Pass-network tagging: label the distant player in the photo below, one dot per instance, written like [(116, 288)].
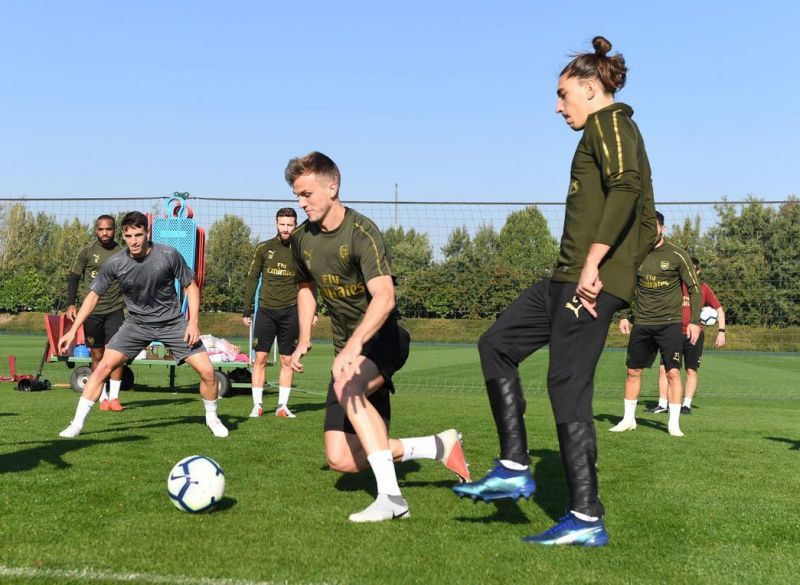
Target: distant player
[(657, 326), (146, 273), (273, 262), (609, 227), (691, 353), (341, 252), (108, 315)]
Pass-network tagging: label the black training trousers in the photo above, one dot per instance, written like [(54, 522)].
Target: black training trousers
[(549, 312)]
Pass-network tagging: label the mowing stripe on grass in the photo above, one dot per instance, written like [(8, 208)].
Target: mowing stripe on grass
[(88, 574)]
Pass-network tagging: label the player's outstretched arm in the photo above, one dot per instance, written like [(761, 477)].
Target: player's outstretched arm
[(89, 303), (306, 313), (192, 334)]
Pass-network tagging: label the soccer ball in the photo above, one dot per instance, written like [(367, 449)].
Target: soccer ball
[(196, 484), (708, 316)]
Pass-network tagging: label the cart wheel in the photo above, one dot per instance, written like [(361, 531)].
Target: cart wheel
[(241, 375), (223, 383), (127, 378), (79, 378)]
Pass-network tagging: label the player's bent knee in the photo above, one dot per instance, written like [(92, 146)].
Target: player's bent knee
[(634, 373)]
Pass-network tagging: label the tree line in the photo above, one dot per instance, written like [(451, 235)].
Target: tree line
[(750, 257)]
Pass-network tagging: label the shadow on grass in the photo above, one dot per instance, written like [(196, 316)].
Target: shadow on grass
[(53, 453), (232, 422), (160, 402), (365, 480), (642, 422), (551, 487), (793, 445), (225, 503), (505, 511), (9, 414)]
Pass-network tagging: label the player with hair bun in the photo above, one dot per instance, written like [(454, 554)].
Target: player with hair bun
[(609, 228)]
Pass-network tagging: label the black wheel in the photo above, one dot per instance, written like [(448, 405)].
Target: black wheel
[(127, 378), (240, 375), (223, 383), (79, 377)]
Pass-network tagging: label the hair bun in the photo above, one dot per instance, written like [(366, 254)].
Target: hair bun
[(601, 46)]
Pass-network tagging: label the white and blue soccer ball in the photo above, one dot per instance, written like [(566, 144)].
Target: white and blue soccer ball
[(708, 315), (196, 484)]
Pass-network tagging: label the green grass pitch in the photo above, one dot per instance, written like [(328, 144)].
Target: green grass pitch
[(718, 506)]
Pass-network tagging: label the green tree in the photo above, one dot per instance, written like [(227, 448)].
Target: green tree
[(411, 255), (229, 251), (527, 249), (687, 236), (782, 250), (737, 266)]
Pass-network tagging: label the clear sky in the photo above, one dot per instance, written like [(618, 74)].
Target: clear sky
[(452, 100)]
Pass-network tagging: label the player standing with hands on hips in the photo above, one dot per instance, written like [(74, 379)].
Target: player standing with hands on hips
[(609, 228)]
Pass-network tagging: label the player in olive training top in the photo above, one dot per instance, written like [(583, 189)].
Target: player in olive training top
[(277, 310), (341, 253), (108, 315), (658, 324), (608, 229), (692, 353)]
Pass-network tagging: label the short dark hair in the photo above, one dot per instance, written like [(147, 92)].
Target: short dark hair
[(105, 217), (660, 218), (286, 212), (314, 163), (134, 219)]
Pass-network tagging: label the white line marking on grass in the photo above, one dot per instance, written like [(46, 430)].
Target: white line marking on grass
[(88, 574)]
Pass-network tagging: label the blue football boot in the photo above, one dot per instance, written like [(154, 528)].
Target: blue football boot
[(499, 484), (572, 530)]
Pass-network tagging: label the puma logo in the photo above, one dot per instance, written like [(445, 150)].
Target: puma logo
[(575, 306), (677, 357)]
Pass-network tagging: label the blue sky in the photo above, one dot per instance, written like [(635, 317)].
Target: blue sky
[(451, 100)]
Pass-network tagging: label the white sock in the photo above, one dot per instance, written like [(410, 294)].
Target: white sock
[(662, 403), (513, 465), (283, 395), (674, 415), (258, 395), (383, 468), (584, 517), (630, 409), (419, 448), (103, 392), (113, 389), (82, 411), (687, 402), (211, 410)]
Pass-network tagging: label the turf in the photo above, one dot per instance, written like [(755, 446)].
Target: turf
[(717, 506)]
